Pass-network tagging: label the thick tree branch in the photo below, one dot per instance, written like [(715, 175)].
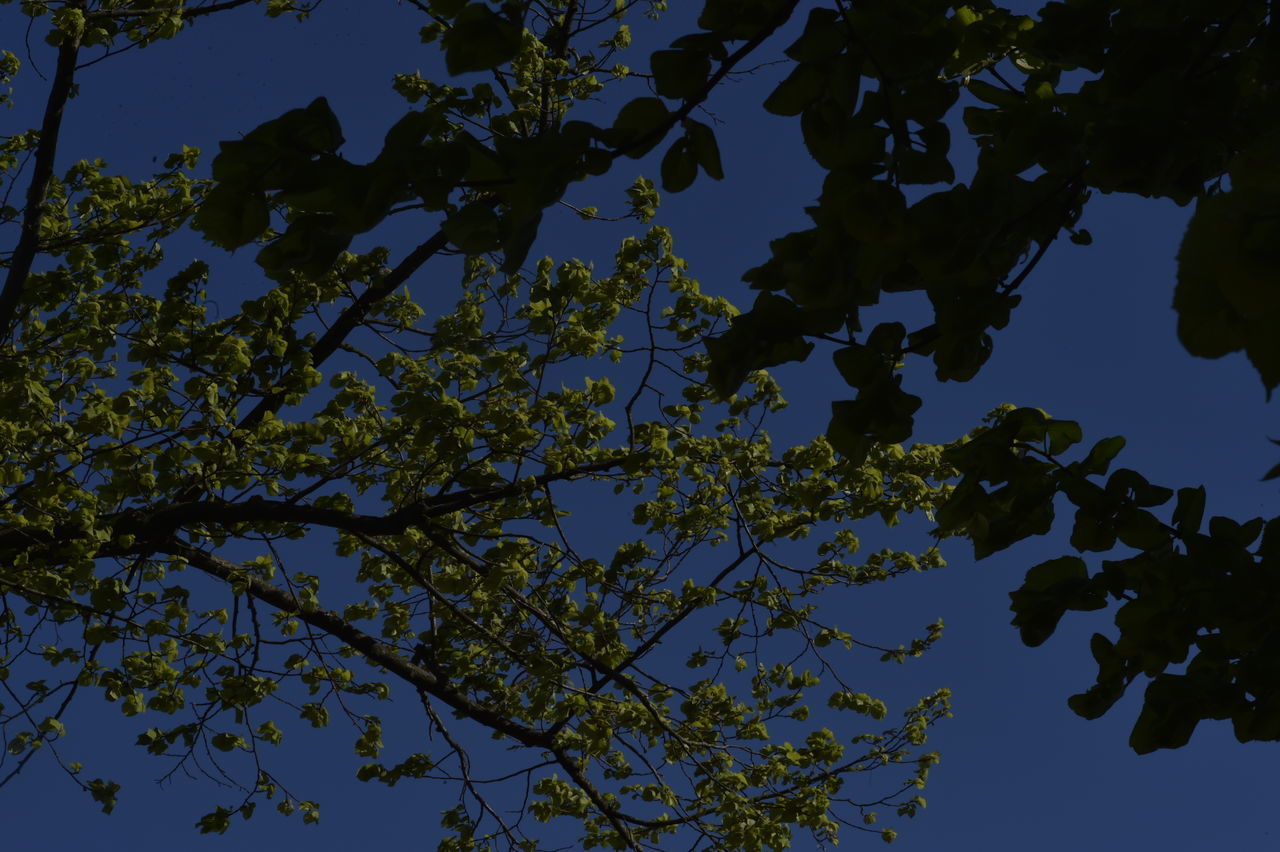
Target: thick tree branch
[(375, 651), (46, 151), (351, 317), (189, 12), (165, 520)]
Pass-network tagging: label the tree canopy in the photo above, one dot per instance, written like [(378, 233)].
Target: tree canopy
[(230, 522)]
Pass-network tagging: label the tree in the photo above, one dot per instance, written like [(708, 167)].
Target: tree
[(443, 459), (232, 525), (1165, 100)]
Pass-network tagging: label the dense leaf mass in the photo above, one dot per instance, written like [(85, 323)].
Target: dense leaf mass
[(521, 513), (170, 476)]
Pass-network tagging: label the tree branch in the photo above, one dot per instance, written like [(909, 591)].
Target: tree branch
[(193, 12), (351, 317), (164, 521), (375, 651), (691, 103), (28, 243)]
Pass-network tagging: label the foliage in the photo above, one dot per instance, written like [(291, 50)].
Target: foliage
[(444, 457), (231, 525), (1172, 100)]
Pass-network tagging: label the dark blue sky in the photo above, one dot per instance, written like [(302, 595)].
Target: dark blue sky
[(1094, 340)]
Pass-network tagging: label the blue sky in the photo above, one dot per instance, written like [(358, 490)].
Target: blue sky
[(1094, 340)]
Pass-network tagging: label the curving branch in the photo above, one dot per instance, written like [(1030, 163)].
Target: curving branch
[(374, 650)]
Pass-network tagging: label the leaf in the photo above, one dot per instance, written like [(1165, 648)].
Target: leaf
[(1049, 590), (803, 86), (277, 154), (480, 39), (858, 365), (994, 95), (679, 166), (881, 413), (474, 228), (1100, 457), (1141, 530), (1061, 434), (309, 246), (1054, 572), (1132, 486), (1094, 702), (1188, 512), (1227, 296), (679, 74), (634, 130), (708, 43), (1092, 532), (231, 216), (737, 20), (1169, 715), (104, 793), (823, 38), (702, 141), (518, 234), (771, 333), (269, 153)]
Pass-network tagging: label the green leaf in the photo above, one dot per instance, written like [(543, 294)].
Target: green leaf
[(1094, 702), (269, 153), (881, 413), (231, 216), (1047, 575), (1226, 297), (679, 74), (104, 793), (480, 39), (1091, 531), (994, 95), (823, 38), (1049, 590), (771, 333), (679, 166), (1142, 530), (708, 43), (1100, 457), (635, 129), (1188, 513), (1169, 715), (803, 86), (1061, 434), (474, 228), (702, 141), (858, 365), (308, 246)]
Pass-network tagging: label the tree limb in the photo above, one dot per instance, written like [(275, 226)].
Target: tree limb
[(351, 317), (28, 243), (375, 651), (191, 12)]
